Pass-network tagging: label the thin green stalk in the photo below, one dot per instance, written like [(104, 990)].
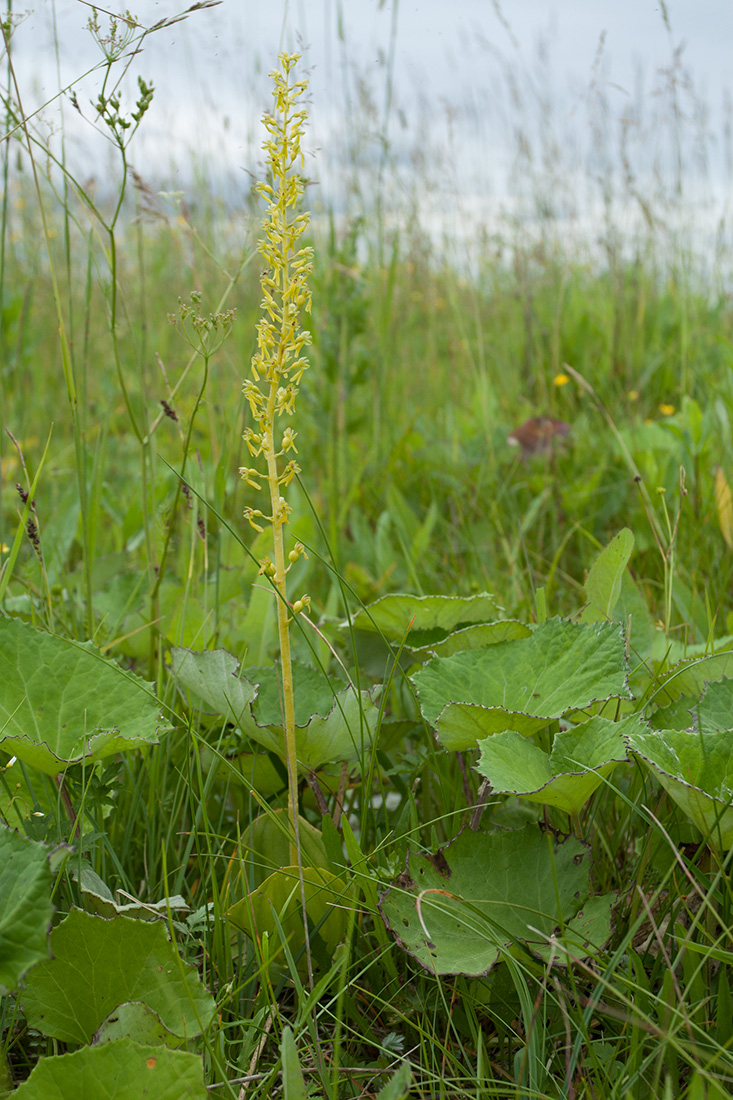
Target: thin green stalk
[(3, 236)]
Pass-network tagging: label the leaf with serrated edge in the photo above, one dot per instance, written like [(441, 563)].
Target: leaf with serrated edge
[(99, 964), (25, 906), (98, 899), (690, 677), (485, 892), (215, 678), (121, 1070), (134, 1020), (696, 770), (331, 727), (62, 702), (522, 684), (566, 777), (480, 635), (398, 1087), (715, 710), (392, 615)]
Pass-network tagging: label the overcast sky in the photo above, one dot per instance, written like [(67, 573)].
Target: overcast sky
[(472, 81)]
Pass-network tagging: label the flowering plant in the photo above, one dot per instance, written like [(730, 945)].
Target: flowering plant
[(278, 366)]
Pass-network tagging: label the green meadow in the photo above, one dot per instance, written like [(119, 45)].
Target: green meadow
[(413, 778)]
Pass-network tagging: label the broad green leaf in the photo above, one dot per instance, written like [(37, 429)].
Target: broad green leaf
[(603, 583), (342, 729), (632, 607), (61, 702), (428, 618), (266, 845), (314, 694), (709, 714), (478, 636), (333, 722), (293, 1079), (522, 684), (259, 772), (98, 899), (461, 725), (684, 651), (345, 733), (696, 770), (680, 715), (567, 776), (134, 1020), (25, 906), (715, 710), (100, 964), (327, 902), (122, 1070), (460, 910), (693, 612), (632, 611), (30, 801), (589, 930), (215, 679), (690, 677)]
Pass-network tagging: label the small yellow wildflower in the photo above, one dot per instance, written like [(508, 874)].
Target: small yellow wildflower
[(561, 380), (666, 410), (633, 395)]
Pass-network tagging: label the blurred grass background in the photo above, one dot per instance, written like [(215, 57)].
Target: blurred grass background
[(437, 329), (419, 372)]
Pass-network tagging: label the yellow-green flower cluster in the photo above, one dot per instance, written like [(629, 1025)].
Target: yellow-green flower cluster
[(277, 368), (279, 363)]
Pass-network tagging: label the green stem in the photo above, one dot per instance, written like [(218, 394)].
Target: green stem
[(283, 621), (3, 241), (69, 806)]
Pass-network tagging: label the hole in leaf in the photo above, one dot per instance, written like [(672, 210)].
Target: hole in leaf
[(440, 863)]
